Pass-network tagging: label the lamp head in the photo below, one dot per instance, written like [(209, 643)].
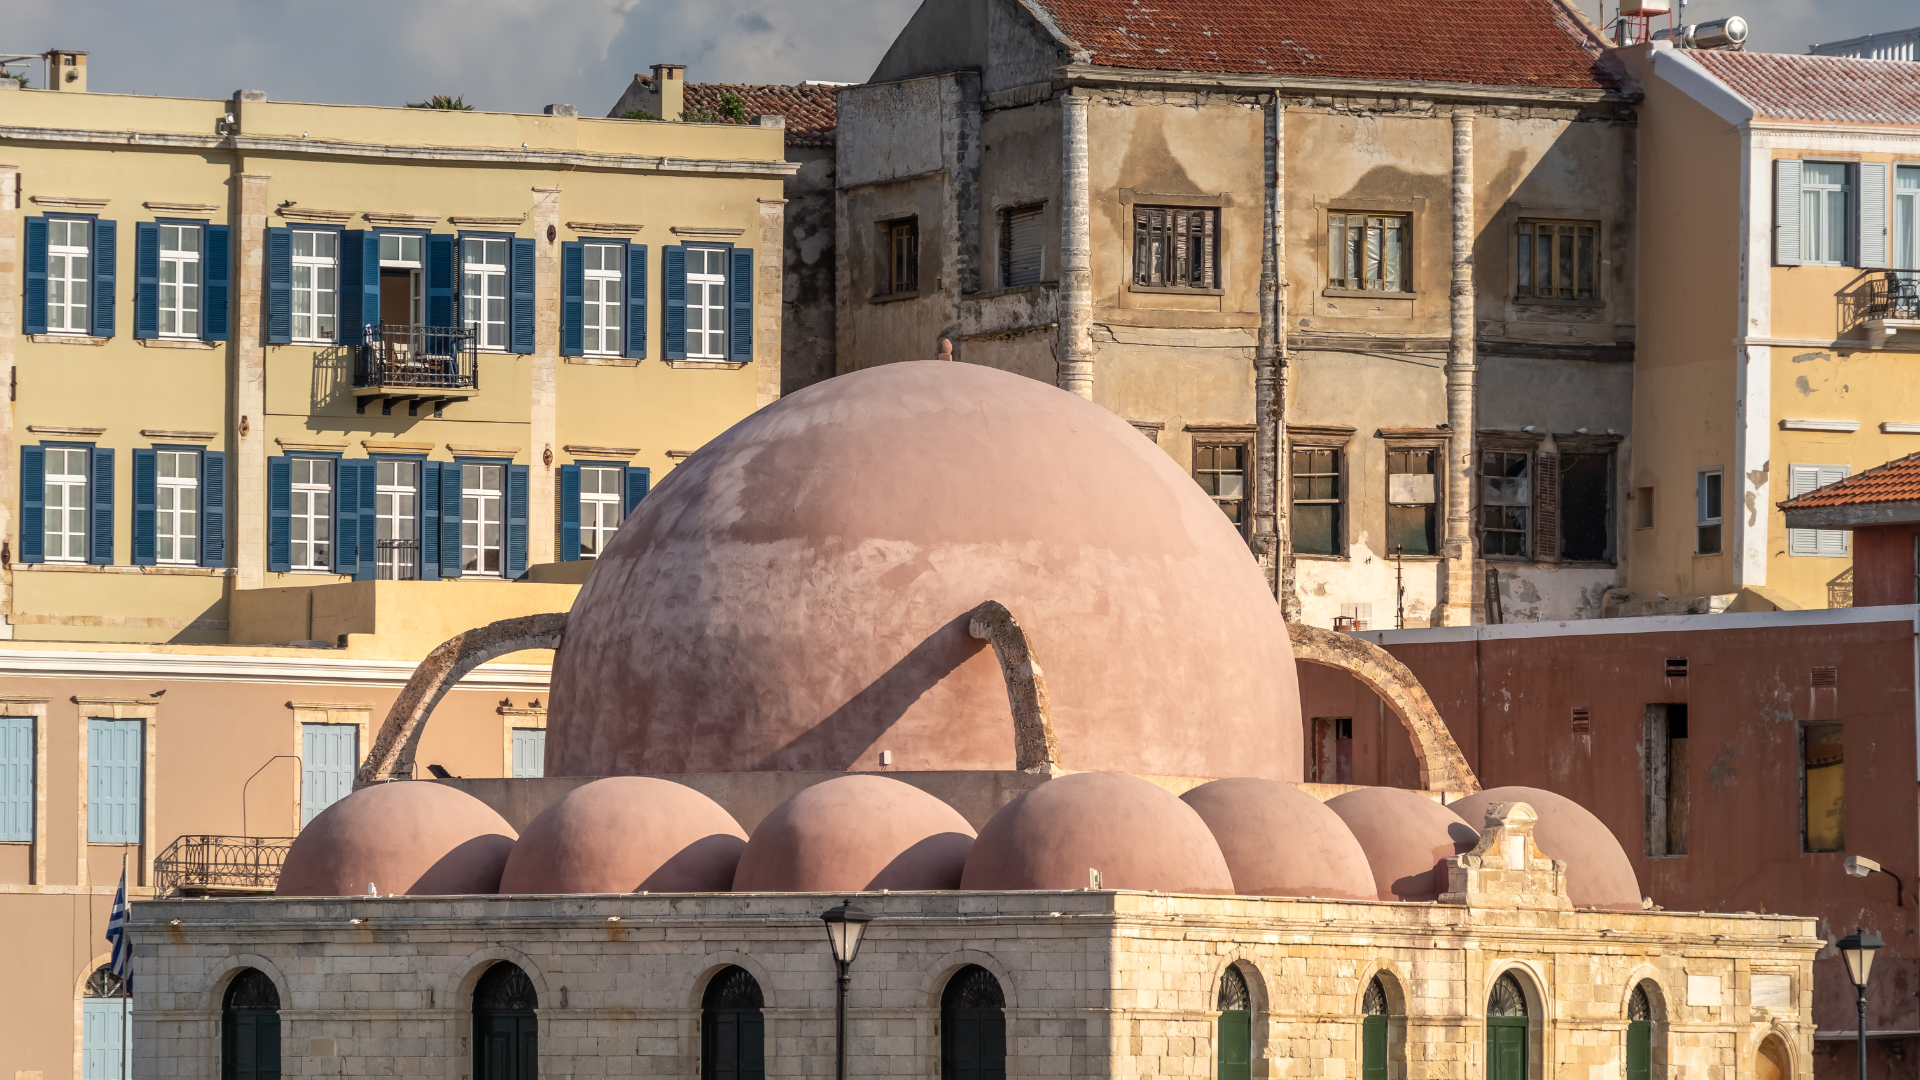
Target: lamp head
[(1857, 950), (846, 925), (1860, 866)]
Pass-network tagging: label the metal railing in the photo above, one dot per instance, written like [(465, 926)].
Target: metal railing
[(411, 357), (1883, 294), (220, 865)]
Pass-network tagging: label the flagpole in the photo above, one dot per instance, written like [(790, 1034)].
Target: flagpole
[(122, 966)]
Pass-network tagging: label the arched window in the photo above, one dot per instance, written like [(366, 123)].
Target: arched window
[(250, 1028), (506, 1039), (1236, 1026), (733, 1044), (973, 1026), (104, 1020), (1373, 1032), (1507, 1030)]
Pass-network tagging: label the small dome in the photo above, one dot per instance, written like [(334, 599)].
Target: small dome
[(409, 836), (1134, 832), (1406, 836), (627, 834), (1281, 841), (854, 834), (1599, 874)]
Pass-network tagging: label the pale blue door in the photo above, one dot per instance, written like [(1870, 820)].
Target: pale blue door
[(16, 779), (116, 780), (329, 753), (103, 1028), (529, 751)]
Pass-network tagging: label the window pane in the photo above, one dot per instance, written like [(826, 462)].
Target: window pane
[(1823, 764), (1313, 529)]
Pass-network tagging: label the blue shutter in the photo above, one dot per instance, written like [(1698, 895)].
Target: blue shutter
[(146, 464), (279, 514), (213, 508), (572, 297), (279, 286), (637, 482), (328, 758), (369, 517), (216, 279), (449, 519), (359, 284), (740, 286), (442, 281), (33, 504), (520, 292), (673, 264), (146, 279), (346, 517), (516, 553), (429, 504), (35, 316), (106, 261), (569, 513), (16, 779), (637, 302), (114, 773), (100, 524)]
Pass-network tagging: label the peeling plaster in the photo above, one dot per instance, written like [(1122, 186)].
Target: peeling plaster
[(1806, 356), (1801, 385)]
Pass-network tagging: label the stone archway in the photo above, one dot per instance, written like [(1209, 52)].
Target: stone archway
[(1442, 766)]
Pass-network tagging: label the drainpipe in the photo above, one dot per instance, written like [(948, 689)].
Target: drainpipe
[(1075, 347), (1460, 379)]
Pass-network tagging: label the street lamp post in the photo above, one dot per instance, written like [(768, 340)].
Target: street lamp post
[(1857, 949), (846, 924)]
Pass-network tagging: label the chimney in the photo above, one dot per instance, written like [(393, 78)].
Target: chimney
[(669, 90), (66, 70)]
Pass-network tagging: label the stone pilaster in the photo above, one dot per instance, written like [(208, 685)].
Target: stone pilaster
[(249, 357), (543, 411)]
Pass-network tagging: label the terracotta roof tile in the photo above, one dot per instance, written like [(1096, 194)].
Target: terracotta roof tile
[(1491, 42), (1834, 89), (1896, 481), (810, 108)]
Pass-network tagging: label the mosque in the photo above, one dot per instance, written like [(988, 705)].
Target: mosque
[(961, 655)]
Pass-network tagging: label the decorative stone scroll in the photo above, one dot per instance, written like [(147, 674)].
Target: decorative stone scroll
[(1506, 869)]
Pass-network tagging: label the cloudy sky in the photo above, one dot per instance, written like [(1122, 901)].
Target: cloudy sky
[(517, 55)]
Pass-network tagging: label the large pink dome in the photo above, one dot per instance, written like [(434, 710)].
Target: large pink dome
[(408, 836), (627, 834), (1136, 833), (1599, 874), (854, 834), (1281, 841), (795, 596), (1407, 837)]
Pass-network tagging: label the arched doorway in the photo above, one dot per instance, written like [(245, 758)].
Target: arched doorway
[(1507, 1030), (1373, 1032), (1772, 1063), (1236, 1026), (250, 1028), (105, 1003), (973, 1026), (1639, 1035), (506, 1038), (732, 1031)]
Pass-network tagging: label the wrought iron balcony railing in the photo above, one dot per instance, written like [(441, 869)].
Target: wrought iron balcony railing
[(403, 362), (220, 865), (1880, 295)]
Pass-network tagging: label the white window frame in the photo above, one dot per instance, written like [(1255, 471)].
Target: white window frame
[(1816, 201), (1906, 218), (603, 298), (318, 552), (485, 302), (1816, 543), (708, 285), (483, 498), (176, 508), (600, 507), (316, 280), (180, 295), (75, 508), (416, 288), (67, 278), (1702, 519), (396, 517)]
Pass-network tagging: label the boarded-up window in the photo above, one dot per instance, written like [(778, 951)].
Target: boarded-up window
[(1821, 543), (1668, 786), (1317, 501), (1822, 771), (1558, 260), (1412, 502), (1221, 470), (1367, 252), (1020, 250), (1506, 500), (1176, 248)]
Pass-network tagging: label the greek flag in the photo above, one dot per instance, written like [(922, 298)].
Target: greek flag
[(122, 965)]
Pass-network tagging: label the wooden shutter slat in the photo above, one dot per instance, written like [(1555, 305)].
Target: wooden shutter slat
[(1546, 507)]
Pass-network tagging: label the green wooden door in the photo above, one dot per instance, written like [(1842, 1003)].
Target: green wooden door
[(1506, 1048), (1373, 1048), (1639, 1050), (250, 1044), (1236, 1045)]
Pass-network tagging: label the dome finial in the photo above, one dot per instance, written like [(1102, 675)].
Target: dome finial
[(946, 349)]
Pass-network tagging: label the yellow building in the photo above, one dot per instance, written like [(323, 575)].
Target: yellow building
[(295, 393), (1779, 313)]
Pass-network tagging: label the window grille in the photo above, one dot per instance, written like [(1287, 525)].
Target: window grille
[(1234, 996), (1507, 998), (1375, 1002), (505, 988)]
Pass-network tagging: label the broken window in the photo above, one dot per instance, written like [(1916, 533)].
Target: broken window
[(1176, 247), (1586, 507), (1332, 761), (1367, 252), (1506, 501), (1412, 502), (1020, 250), (1221, 469), (1820, 543), (1706, 500), (1316, 501), (900, 272), (1668, 783), (1558, 260), (1822, 770)]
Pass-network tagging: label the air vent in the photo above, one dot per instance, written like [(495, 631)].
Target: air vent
[(1676, 667), (1582, 723), (1825, 676)]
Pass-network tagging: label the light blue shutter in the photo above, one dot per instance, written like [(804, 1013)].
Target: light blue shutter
[(35, 315), (569, 514), (213, 508), (637, 301), (16, 779), (279, 514), (115, 766), (329, 755), (637, 482), (1873, 215), (145, 492), (1786, 211), (146, 279), (740, 329), (673, 266), (449, 519), (359, 284), (33, 504), (368, 517), (521, 294), (529, 751), (106, 260), (429, 521), (279, 286), (100, 522), (517, 480), (346, 517), (217, 282), (572, 298), (103, 1031)]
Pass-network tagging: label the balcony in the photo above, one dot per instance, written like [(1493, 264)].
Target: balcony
[(220, 865), (418, 365), (1884, 303)]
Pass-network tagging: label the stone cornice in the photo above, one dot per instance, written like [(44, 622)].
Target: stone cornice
[(1097, 75), (303, 667)]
